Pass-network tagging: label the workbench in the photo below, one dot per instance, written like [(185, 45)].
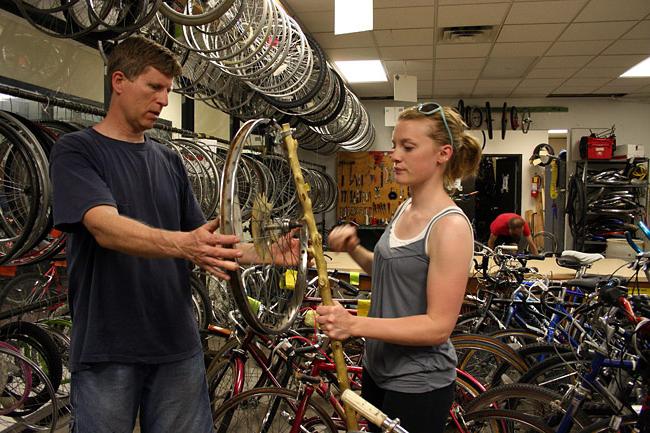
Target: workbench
[(343, 263)]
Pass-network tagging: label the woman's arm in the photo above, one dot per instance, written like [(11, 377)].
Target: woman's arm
[(451, 250)]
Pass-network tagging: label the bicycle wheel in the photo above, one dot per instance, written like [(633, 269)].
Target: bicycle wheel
[(267, 293), (482, 356), (488, 119), (629, 424), (503, 421), (22, 378), (529, 399), (271, 410), (36, 344)]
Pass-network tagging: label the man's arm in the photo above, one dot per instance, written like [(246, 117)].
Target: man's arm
[(531, 245), (492, 241), (201, 246)]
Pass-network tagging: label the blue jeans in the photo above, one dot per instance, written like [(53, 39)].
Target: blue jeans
[(171, 397)]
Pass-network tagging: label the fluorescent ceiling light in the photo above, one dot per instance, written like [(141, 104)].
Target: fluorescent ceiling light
[(640, 70), (362, 71), (558, 131), (352, 16)]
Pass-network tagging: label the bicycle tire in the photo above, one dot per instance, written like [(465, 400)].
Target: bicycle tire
[(484, 356), (502, 421), (201, 303), (460, 109), (514, 118), (604, 426), (542, 373), (526, 120), (532, 354), (516, 338), (195, 20), (511, 396), (47, 419), (234, 414), (264, 303), (42, 347), (476, 117), (488, 120)]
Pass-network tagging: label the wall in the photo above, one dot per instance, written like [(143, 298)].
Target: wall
[(630, 118)]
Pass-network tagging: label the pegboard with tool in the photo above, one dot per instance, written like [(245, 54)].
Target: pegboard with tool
[(368, 193)]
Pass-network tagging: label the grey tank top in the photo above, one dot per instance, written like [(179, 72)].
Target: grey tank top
[(399, 289)]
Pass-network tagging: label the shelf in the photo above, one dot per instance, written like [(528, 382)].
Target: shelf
[(608, 161), (610, 185)]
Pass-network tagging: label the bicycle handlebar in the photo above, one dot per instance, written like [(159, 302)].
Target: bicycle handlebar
[(371, 413)]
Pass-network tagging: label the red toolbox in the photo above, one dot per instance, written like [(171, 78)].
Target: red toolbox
[(597, 148)]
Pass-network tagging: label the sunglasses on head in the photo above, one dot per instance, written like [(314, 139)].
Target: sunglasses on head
[(430, 108)]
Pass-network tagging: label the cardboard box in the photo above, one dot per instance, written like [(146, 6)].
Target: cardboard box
[(626, 151)]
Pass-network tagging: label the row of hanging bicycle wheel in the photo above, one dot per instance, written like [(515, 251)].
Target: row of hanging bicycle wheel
[(247, 58), (26, 233)]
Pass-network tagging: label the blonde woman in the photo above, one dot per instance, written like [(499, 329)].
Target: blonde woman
[(419, 272)]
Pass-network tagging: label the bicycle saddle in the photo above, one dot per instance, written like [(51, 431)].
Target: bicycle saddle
[(583, 258)]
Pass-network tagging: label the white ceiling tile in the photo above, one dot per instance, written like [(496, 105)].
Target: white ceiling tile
[(507, 67), (602, 72), (370, 53), (421, 75), (521, 49), (631, 46), (461, 50), (577, 48), (630, 81), (562, 61), (574, 89), (300, 6), (419, 65), (561, 11), (372, 89), (454, 64), (531, 91), (541, 82), (424, 87), (458, 74), (392, 38), (439, 92), (472, 15), (317, 22), (395, 66), (352, 40), (530, 32), (607, 10), (551, 72), (454, 84), (497, 84), (640, 31), (403, 18), (407, 52), (465, 2), (586, 82), (491, 93), (626, 61), (596, 31), (378, 4)]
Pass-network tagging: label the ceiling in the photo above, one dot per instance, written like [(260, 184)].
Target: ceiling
[(536, 48)]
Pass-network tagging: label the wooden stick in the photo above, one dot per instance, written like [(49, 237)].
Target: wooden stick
[(291, 146)]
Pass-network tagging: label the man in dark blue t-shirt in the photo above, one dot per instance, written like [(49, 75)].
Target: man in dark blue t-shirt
[(134, 226)]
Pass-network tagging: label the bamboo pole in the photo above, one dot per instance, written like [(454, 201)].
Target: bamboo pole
[(291, 146)]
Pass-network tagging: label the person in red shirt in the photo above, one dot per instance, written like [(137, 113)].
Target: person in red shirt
[(508, 228)]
